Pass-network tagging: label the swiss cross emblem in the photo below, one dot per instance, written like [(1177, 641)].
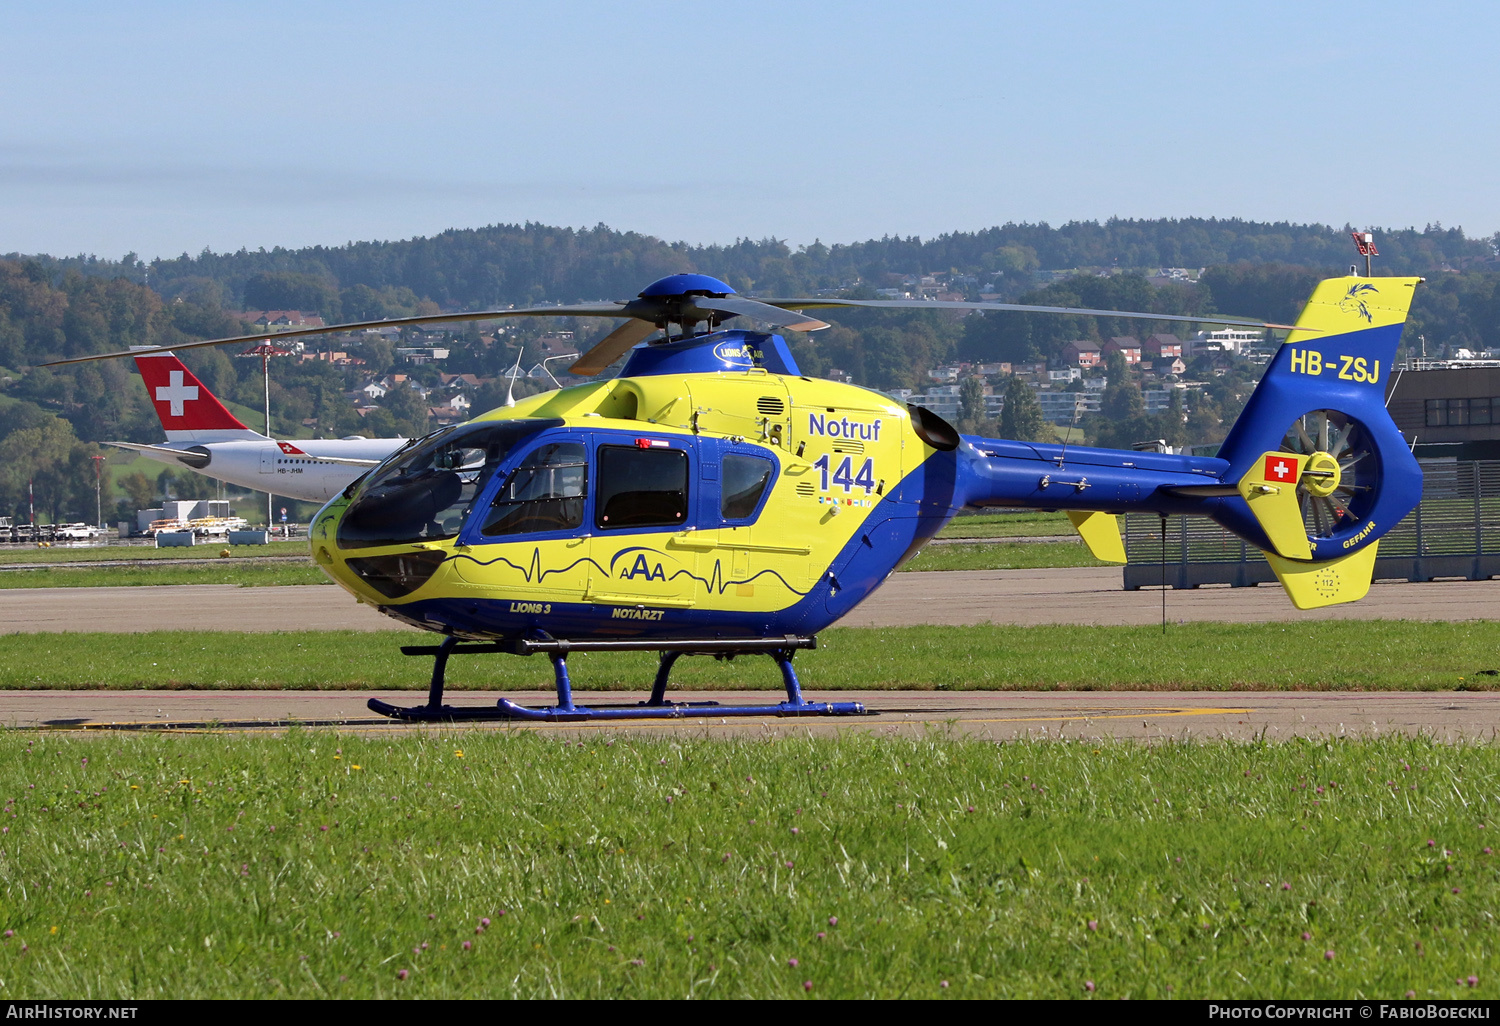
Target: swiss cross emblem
[(289, 448), (1281, 468), (175, 393)]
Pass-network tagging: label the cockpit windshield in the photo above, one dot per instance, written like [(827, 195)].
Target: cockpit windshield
[(424, 493)]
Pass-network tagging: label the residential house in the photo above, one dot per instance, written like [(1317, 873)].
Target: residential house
[(1081, 353), (422, 354), (1162, 347), (282, 320), (1126, 345), (460, 380)]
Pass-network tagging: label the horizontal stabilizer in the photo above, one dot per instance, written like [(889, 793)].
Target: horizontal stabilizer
[(197, 457), (1269, 487), (1314, 585), (1101, 533)]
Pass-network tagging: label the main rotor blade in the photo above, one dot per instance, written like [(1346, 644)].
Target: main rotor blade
[(793, 320), (577, 310), (947, 304), (611, 347)]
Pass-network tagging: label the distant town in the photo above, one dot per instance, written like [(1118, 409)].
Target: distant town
[(1101, 381)]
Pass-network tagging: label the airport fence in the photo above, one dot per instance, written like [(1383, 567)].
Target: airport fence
[(1453, 533)]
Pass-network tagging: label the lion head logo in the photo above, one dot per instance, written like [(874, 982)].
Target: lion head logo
[(1354, 303)]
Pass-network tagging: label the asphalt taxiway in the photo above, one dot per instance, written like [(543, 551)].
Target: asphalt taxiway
[(996, 715), (1018, 597), (1084, 595)]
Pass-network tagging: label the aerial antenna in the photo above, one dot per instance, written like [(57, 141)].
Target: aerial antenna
[(543, 366), (510, 392), (1063, 456)]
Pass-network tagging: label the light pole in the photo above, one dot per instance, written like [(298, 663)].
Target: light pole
[(265, 351), (98, 504)]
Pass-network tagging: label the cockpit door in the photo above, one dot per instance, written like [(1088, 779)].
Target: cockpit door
[(528, 535)]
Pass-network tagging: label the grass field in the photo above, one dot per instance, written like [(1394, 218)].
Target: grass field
[(1003, 556), (1324, 656), (246, 573), (1029, 524), (498, 864), (207, 550)]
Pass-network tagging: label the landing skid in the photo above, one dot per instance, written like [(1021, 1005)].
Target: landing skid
[(656, 707)]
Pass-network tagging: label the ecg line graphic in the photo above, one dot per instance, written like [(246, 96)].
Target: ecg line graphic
[(715, 582)]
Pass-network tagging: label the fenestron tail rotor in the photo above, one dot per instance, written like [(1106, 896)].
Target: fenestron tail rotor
[(1341, 476)]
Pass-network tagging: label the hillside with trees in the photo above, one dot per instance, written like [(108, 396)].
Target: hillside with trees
[(53, 307)]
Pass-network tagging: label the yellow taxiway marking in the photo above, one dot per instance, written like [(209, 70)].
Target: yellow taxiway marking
[(185, 727), (1117, 716)]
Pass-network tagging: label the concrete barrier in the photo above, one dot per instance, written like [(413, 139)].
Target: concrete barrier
[(249, 538), (167, 539)]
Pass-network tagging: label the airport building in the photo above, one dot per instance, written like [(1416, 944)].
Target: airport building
[(1449, 411)]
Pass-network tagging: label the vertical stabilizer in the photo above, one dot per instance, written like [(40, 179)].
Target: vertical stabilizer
[(1321, 469), (189, 412)]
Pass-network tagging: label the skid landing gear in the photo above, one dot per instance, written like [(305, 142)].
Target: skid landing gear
[(656, 707)]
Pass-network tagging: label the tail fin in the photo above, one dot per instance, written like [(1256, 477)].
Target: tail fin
[(1322, 470), (189, 412)]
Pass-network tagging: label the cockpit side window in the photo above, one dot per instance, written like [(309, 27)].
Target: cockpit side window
[(641, 488), (544, 493), (745, 481)]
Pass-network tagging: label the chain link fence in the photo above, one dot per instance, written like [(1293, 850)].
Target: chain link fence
[(1453, 533)]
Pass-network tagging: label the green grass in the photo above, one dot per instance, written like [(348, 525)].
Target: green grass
[(319, 865), (1004, 556), (1379, 655), (245, 573), (206, 550), (1007, 525)]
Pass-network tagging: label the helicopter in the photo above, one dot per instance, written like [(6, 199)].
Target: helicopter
[(712, 499)]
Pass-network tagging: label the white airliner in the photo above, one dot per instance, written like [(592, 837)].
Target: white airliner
[(205, 437)]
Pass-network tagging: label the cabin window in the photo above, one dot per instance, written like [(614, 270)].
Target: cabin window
[(640, 487), (544, 493), (745, 481)]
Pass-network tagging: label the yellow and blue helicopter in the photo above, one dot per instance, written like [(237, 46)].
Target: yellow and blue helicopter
[(713, 499)]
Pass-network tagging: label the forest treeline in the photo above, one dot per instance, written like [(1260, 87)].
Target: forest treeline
[(60, 307), (501, 265)]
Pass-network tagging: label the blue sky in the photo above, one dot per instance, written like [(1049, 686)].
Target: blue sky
[(161, 127)]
